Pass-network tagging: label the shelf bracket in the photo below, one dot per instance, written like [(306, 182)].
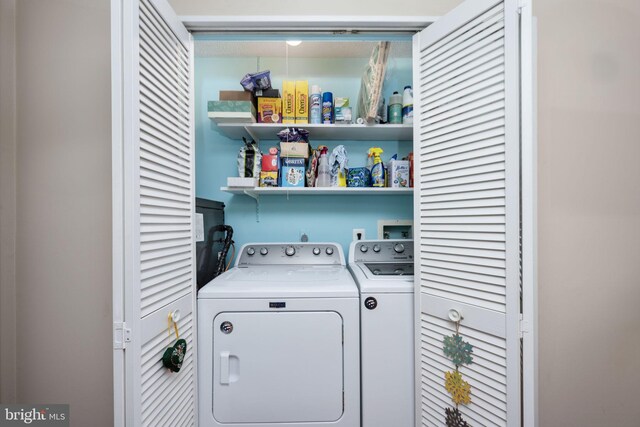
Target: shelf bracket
[(255, 197), (253, 136)]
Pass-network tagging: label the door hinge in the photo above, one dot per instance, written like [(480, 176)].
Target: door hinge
[(522, 4), (121, 335), (523, 326)]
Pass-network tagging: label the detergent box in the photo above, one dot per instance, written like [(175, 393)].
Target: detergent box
[(293, 172), (399, 173)]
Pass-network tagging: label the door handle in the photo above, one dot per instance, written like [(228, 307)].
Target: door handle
[(224, 367)]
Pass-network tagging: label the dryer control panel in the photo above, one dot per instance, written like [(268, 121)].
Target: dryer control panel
[(382, 251), (295, 253)]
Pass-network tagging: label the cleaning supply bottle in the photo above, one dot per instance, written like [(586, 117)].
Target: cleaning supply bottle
[(407, 105), (395, 109), (315, 105), (324, 171), (327, 108), (377, 170)]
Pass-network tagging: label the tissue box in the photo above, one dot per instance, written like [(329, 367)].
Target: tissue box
[(399, 173), (293, 172), (294, 149), (236, 181), (232, 111)]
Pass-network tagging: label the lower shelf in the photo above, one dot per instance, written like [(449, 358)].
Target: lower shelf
[(308, 191)]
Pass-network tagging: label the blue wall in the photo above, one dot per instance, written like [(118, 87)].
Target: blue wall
[(322, 218)]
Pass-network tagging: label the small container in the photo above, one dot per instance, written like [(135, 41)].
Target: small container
[(407, 105), (395, 109), (327, 108), (315, 105)]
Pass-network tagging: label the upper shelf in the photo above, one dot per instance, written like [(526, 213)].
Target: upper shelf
[(266, 131)]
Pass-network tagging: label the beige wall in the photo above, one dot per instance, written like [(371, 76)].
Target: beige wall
[(589, 203), (63, 176), (589, 212)]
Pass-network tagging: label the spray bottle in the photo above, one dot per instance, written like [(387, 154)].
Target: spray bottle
[(324, 171), (377, 170)]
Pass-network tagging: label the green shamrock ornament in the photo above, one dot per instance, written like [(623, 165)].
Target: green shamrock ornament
[(458, 350)]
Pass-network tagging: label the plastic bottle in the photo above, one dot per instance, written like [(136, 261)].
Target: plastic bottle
[(395, 109), (327, 108), (315, 105), (324, 171), (377, 171), (407, 105)]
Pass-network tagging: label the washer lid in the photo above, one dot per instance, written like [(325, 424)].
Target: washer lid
[(369, 282), (296, 281)]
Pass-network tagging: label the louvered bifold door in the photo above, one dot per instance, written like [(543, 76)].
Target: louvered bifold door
[(159, 205), (467, 213)]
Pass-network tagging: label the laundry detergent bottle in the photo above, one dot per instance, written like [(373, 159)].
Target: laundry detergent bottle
[(377, 170), (324, 171)]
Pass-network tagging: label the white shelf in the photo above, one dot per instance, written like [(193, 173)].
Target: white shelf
[(318, 132), (312, 191)]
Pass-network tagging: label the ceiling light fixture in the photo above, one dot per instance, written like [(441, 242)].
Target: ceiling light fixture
[(294, 42)]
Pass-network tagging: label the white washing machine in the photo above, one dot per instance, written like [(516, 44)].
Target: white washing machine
[(383, 270), (278, 340)]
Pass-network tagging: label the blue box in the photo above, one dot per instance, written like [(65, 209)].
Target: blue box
[(293, 172)]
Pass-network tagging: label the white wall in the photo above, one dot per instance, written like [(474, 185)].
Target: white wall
[(63, 203)]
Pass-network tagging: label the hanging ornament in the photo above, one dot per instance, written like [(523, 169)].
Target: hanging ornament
[(459, 389), (174, 355), (453, 418), (458, 350)]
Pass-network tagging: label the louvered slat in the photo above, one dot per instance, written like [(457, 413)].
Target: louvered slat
[(165, 224), (464, 188)]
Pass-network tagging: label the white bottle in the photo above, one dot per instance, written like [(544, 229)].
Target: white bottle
[(407, 105), (324, 171)]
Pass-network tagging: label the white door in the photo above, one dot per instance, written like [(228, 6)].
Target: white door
[(277, 368), (153, 185), (467, 214)]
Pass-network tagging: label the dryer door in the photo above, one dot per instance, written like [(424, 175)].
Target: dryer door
[(277, 367)]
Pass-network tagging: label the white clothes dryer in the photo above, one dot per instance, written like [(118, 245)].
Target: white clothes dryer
[(383, 270), (278, 340)]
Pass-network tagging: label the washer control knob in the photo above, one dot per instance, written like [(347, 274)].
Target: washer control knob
[(316, 251), (364, 248), (370, 303), (264, 251), (376, 248), (226, 327), (329, 250), (290, 251), (398, 247), (251, 251)]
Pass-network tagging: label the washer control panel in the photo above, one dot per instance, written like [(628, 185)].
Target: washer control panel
[(296, 253), (383, 250)]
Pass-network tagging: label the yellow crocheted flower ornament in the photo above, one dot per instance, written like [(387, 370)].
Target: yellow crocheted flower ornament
[(459, 389)]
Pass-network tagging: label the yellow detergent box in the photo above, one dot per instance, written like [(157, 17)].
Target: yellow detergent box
[(302, 101), (288, 101)]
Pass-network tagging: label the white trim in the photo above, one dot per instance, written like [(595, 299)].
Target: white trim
[(305, 23), (417, 326), (528, 55), (117, 202), (194, 293), (169, 16), (512, 184)]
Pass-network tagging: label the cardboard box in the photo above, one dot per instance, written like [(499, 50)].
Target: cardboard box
[(302, 102), (399, 173), (236, 181), (269, 179), (294, 149), (288, 101), (270, 162), (293, 172), (236, 95), (269, 110)]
